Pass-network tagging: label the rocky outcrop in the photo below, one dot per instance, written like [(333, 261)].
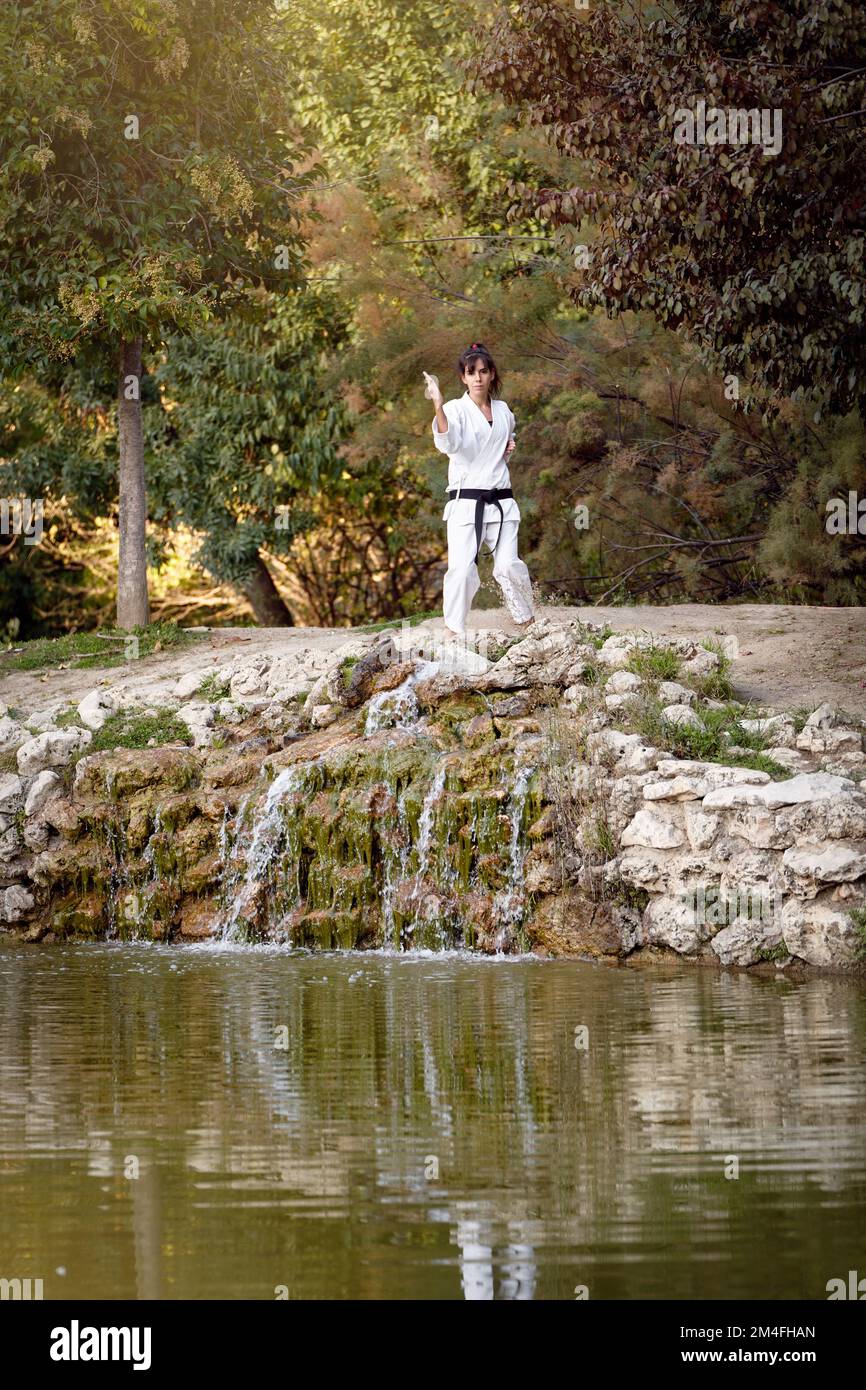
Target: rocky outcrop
[(567, 792)]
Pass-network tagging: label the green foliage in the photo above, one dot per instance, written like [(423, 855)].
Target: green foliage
[(655, 663), (757, 255), (213, 688), (147, 179), (705, 742), (135, 729), (858, 918)]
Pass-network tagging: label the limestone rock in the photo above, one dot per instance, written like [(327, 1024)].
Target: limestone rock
[(682, 715), (652, 830), (621, 752), (41, 789), (816, 739), (17, 902), (809, 786), (742, 942), (672, 693), (12, 734), (56, 748), (198, 716), (11, 793), (622, 683), (842, 861), (187, 685), (820, 932), (672, 921), (95, 708)]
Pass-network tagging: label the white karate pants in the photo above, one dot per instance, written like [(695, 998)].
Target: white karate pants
[(461, 579)]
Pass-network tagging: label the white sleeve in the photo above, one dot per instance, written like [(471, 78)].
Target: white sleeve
[(512, 424), (450, 441)]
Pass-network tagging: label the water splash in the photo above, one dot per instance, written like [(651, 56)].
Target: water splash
[(398, 708)]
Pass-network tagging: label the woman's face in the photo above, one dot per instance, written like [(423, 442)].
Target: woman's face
[(477, 377)]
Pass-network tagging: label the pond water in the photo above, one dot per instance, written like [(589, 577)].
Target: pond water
[(217, 1122)]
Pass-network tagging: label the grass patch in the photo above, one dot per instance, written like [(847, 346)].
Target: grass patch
[(717, 685), (68, 718), (858, 917), (654, 663), (85, 650), (213, 688), (705, 742), (771, 953), (598, 639), (128, 729)]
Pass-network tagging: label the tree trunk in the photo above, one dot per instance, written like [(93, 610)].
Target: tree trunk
[(133, 609), (264, 598)]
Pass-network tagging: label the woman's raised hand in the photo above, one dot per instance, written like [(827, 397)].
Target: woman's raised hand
[(431, 390)]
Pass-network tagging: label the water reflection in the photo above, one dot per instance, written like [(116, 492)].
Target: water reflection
[(223, 1123)]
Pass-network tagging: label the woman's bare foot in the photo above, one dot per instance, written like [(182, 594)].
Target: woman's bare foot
[(449, 631)]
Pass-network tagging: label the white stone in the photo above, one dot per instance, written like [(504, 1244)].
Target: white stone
[(824, 717), (624, 752), (41, 789), (198, 716), (809, 786), (95, 708), (839, 862), (621, 682), (11, 793), (836, 740), (12, 734), (701, 829), (228, 713), (17, 902), (681, 714), (703, 663), (652, 830), (741, 942), (56, 748), (675, 789), (715, 774), (672, 693), (188, 684), (618, 702), (323, 715), (672, 921), (819, 932), (770, 724)]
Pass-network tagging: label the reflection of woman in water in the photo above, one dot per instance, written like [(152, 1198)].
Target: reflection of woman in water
[(476, 431)]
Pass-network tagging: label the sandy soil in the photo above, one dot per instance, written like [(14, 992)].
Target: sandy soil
[(789, 657)]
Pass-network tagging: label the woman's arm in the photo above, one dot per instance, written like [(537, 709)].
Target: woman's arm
[(446, 433)]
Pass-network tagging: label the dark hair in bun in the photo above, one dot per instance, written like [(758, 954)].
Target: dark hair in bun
[(468, 359)]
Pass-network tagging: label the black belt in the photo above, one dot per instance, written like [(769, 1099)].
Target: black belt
[(483, 498)]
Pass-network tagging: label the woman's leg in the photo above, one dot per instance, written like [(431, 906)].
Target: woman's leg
[(511, 574), (461, 579)]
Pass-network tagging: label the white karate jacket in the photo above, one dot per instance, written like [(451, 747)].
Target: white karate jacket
[(476, 456)]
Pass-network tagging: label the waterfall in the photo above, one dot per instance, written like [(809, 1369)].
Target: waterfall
[(258, 849), (511, 903), (398, 708), (395, 860)]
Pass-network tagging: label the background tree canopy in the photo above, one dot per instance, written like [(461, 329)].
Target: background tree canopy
[(430, 181)]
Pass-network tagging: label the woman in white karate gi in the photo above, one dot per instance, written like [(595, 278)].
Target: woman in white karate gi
[(476, 431)]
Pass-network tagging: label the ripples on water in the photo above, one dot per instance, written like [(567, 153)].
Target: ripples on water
[(366, 1126)]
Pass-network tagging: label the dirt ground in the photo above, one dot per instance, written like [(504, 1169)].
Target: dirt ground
[(789, 657)]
